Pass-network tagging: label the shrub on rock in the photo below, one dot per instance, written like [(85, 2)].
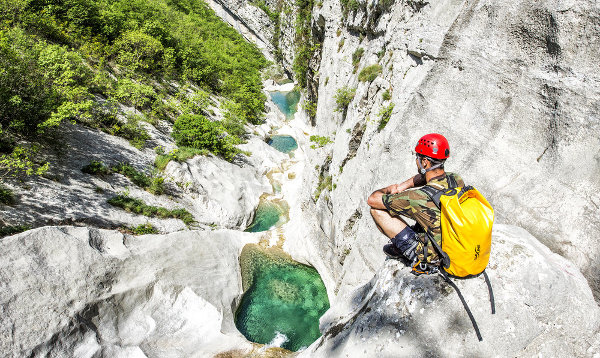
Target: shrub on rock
[(194, 130)]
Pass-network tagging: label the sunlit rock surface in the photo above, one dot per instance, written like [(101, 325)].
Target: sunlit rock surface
[(544, 307), (68, 291)]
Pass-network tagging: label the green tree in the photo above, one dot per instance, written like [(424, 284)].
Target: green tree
[(198, 132)]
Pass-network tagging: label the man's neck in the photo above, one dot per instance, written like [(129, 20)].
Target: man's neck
[(434, 174)]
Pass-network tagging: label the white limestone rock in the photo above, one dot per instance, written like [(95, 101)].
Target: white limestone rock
[(223, 193), (67, 291), (544, 307), (513, 88)]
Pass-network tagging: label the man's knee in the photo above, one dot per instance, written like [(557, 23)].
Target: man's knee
[(377, 213)]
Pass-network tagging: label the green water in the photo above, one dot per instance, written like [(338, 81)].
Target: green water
[(283, 143), (268, 214), (283, 297), (287, 102)]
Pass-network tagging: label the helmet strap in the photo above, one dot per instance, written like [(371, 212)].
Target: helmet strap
[(423, 170)]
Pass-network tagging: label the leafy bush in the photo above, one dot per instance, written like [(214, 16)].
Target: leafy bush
[(310, 108), (356, 56), (386, 95), (343, 97), (136, 94), (6, 196), (369, 73), (384, 116), (21, 162), (138, 51), (200, 133), (96, 168), (319, 141), (142, 229), (138, 206), (325, 183), (180, 154), (233, 118), (138, 178), (132, 130), (13, 229)]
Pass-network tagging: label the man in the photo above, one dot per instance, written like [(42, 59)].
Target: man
[(388, 204)]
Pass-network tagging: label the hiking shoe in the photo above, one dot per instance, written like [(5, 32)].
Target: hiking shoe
[(392, 251)]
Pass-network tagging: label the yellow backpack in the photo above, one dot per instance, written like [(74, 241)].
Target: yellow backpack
[(466, 220)]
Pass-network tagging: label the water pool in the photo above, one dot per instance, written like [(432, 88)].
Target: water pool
[(269, 214), (283, 299), (283, 143), (287, 102)]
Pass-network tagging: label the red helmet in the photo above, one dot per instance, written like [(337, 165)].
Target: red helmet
[(434, 146)]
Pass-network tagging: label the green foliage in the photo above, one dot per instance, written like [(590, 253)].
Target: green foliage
[(133, 93), (384, 116), (369, 73), (54, 55), (142, 229), (325, 183), (343, 97), (21, 162), (386, 96), (349, 6), (305, 47), (341, 44), (137, 51), (11, 230), (6, 196), (310, 108), (152, 183), (320, 141), (96, 168), (180, 154), (356, 56), (138, 178), (233, 118), (131, 130), (200, 133), (138, 206)]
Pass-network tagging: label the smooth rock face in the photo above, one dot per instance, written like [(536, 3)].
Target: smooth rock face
[(223, 193), (544, 307), (67, 291), (511, 85)]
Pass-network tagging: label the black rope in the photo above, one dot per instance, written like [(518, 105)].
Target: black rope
[(462, 299), (489, 285)]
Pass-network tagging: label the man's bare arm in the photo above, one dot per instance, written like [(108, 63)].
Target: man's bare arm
[(375, 199)]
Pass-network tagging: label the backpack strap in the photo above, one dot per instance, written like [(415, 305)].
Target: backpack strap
[(451, 182), (462, 299), (433, 194), (443, 255), (489, 285)]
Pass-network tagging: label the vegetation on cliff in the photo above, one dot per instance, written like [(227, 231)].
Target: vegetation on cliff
[(78, 60)]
